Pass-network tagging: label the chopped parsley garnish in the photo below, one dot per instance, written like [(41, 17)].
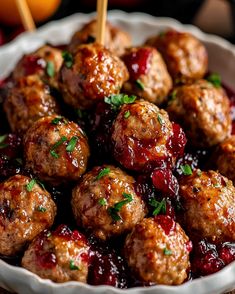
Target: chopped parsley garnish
[(68, 59), (72, 143), (139, 84), (127, 114), (72, 266), (215, 79), (30, 185), (172, 96), (48, 235), (117, 100), (105, 171), (19, 161), (102, 201), (160, 120), (41, 208), (186, 170), (216, 185), (58, 119), (159, 206), (56, 145), (162, 34), (113, 211), (50, 69), (2, 139), (167, 251)]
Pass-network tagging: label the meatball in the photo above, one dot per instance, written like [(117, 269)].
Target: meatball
[(185, 56), (105, 202), (141, 137), (56, 150), (149, 77), (26, 209), (209, 211), (28, 101), (203, 111), (90, 74), (223, 158), (116, 40), (46, 62), (157, 250), (61, 255)]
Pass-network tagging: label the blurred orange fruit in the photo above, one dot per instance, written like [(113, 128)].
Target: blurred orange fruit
[(40, 9)]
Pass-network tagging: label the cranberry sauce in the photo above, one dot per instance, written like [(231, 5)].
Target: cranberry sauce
[(137, 62), (208, 258), (107, 266)]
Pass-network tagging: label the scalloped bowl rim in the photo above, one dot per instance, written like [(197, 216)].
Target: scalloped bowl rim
[(215, 283)]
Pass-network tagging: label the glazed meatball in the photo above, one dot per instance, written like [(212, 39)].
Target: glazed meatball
[(209, 211), (223, 158), (26, 209), (116, 40), (141, 137), (61, 256), (45, 62), (149, 77), (56, 150), (203, 111), (185, 56), (28, 101), (93, 73), (157, 251), (105, 202)]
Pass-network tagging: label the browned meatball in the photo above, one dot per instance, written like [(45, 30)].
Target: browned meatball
[(185, 56), (223, 158), (26, 209), (157, 251), (56, 150), (209, 206), (116, 40), (149, 77), (140, 136), (203, 111), (61, 256), (106, 203), (28, 101), (93, 73), (46, 62)]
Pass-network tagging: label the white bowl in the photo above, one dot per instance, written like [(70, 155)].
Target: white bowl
[(140, 26)]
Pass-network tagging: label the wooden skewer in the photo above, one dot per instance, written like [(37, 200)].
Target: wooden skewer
[(25, 15), (101, 20)]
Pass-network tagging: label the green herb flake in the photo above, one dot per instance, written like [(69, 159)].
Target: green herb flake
[(139, 84), (113, 211), (162, 34), (48, 234), (102, 201), (50, 69), (19, 161), (167, 251), (72, 266), (40, 208), (186, 170), (160, 207), (172, 96), (105, 171), (216, 185), (214, 79), (30, 185), (68, 59), (116, 101), (72, 143), (56, 120), (56, 145), (160, 120), (127, 114), (3, 138)]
